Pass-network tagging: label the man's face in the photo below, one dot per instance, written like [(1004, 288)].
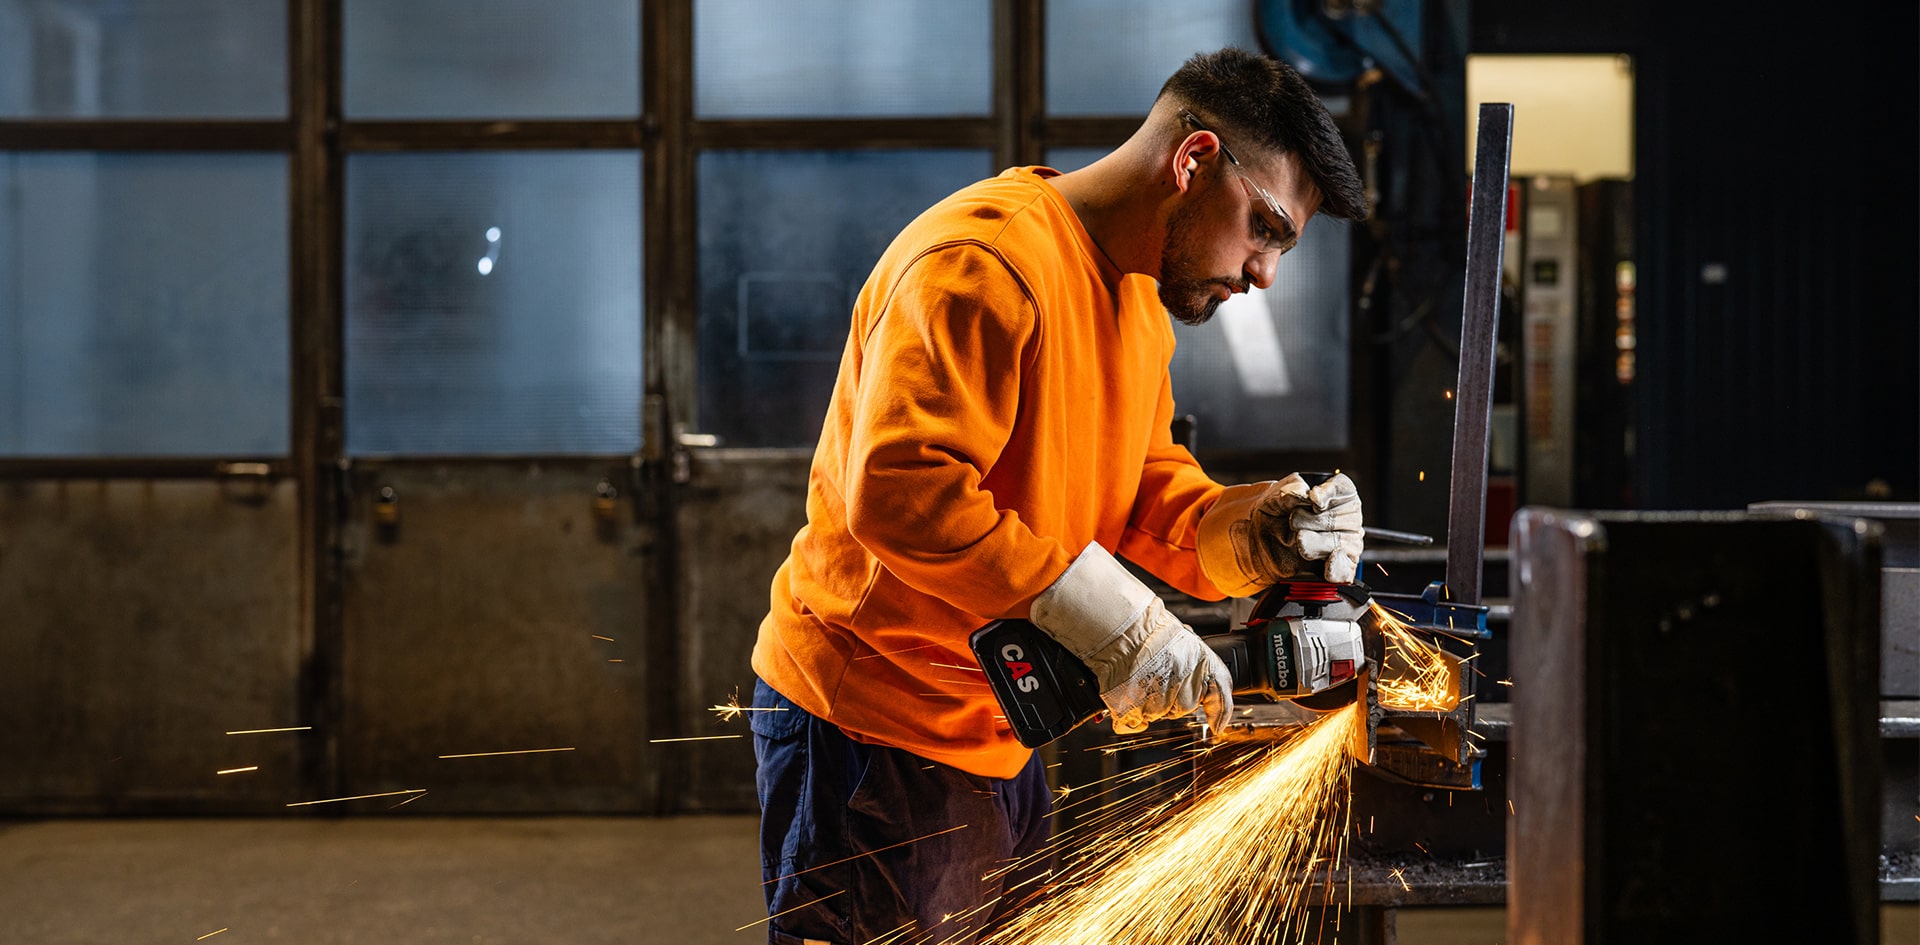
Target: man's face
[(1227, 237)]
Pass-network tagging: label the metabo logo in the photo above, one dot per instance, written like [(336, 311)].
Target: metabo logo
[(1019, 668), (1283, 659)]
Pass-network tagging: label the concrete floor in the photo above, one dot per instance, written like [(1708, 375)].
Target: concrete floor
[(404, 880), (442, 881)]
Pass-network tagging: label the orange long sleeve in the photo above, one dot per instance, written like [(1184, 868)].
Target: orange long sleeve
[(1002, 401)]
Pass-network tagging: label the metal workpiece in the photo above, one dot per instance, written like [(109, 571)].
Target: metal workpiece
[(1473, 399), (1694, 728), (1430, 747)]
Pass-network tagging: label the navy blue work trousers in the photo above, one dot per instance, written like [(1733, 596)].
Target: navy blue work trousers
[(858, 842)]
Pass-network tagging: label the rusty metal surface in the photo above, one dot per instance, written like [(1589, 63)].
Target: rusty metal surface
[(1546, 838), (1900, 632), (737, 516), (469, 627), (144, 620), (1694, 728)]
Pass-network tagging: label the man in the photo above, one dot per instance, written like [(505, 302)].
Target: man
[(999, 430)]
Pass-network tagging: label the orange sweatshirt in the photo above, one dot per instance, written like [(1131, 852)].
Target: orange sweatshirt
[(1002, 401)]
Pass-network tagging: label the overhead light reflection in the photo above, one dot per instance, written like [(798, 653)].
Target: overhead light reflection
[(493, 250)]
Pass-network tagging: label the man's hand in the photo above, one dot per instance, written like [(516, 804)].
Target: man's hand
[(1149, 664), (1264, 532)]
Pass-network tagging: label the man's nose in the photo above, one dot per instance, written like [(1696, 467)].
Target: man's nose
[(1261, 267)]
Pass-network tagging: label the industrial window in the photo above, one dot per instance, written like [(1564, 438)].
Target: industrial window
[(842, 58), (1109, 57), (113, 59), (494, 59), (143, 304), (786, 240), (1270, 370), (493, 303), (723, 186)]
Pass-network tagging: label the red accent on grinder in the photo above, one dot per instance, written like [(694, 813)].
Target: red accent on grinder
[(1313, 592)]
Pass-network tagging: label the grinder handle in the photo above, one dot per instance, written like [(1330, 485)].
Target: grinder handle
[(1234, 649)]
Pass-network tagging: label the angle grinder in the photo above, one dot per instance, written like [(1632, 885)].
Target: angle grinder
[(1304, 642)]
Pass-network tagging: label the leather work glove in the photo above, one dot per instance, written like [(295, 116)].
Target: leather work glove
[(1264, 532), (1149, 664)]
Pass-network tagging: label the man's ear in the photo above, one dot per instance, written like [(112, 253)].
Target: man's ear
[(1186, 157)]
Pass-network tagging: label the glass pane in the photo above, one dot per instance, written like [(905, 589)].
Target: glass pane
[(839, 58), (1269, 371), (1109, 57), (143, 304), (114, 59), (786, 240), (493, 303), (492, 59)]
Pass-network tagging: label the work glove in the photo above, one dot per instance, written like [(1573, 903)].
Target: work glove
[(1149, 665), (1264, 532)]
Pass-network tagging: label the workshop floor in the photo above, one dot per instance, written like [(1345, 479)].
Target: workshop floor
[(436, 881)]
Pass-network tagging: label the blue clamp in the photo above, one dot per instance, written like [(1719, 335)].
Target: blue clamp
[(1429, 612)]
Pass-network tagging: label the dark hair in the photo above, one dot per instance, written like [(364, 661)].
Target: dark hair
[(1263, 100)]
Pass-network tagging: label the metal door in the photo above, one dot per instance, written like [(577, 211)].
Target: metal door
[(493, 637), (147, 621)]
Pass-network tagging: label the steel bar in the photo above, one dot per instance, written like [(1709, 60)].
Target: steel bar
[(1473, 394), (1404, 538)]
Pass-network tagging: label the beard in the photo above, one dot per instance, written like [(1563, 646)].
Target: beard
[(1189, 295)]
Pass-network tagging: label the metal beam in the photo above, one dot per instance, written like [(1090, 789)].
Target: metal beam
[(1473, 394)]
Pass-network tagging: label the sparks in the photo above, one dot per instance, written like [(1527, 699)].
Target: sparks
[(732, 709), (795, 908), (872, 656), (1271, 822), (263, 731), (599, 637), (1382, 567), (1401, 876), (694, 738), (522, 751), (969, 669), (1416, 674), (238, 770), (209, 935), (858, 856), (358, 797)]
